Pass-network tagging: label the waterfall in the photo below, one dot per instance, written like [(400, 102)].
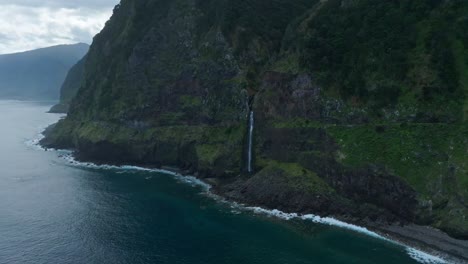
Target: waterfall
[(249, 151)]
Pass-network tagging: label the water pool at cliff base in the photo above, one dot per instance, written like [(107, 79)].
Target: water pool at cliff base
[(54, 212)]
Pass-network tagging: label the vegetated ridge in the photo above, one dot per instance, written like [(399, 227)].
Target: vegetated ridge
[(360, 106)]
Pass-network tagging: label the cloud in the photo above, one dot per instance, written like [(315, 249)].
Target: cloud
[(31, 24)]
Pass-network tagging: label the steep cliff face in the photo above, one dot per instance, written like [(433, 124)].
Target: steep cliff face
[(360, 106), (70, 87)]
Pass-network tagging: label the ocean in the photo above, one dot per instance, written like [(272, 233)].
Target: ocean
[(56, 210)]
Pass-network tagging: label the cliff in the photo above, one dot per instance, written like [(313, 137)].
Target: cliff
[(37, 74), (360, 107), (70, 87)]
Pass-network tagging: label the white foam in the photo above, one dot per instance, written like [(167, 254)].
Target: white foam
[(316, 219), (335, 222), (423, 257), (275, 213), (68, 156), (34, 143)]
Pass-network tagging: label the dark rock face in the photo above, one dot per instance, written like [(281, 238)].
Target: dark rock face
[(171, 83), (274, 188), (288, 96), (314, 150)]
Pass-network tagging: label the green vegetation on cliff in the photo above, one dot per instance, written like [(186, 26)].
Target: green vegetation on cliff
[(396, 54), (360, 105), (431, 158)]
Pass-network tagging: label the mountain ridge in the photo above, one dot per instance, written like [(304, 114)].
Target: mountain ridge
[(360, 106), (37, 74)]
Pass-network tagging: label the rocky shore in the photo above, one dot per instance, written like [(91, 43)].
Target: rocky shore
[(271, 193), (289, 107), (426, 238)]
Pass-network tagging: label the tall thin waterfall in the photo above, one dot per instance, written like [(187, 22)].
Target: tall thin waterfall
[(249, 151)]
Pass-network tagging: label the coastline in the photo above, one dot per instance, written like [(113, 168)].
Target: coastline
[(423, 244), (427, 238)]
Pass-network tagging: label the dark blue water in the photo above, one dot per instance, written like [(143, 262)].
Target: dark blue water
[(53, 212)]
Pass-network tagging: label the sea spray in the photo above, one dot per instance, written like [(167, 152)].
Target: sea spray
[(193, 181), (35, 142), (250, 147), (416, 254)]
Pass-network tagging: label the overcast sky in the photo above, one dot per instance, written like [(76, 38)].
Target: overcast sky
[(31, 24)]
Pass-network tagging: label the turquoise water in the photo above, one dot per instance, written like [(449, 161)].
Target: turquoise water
[(55, 212)]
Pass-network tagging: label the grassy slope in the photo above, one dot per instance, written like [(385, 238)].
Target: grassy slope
[(432, 158), (408, 58)]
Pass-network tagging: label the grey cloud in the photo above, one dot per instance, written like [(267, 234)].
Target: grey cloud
[(31, 24)]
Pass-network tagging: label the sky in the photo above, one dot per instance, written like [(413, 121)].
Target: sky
[(32, 24)]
